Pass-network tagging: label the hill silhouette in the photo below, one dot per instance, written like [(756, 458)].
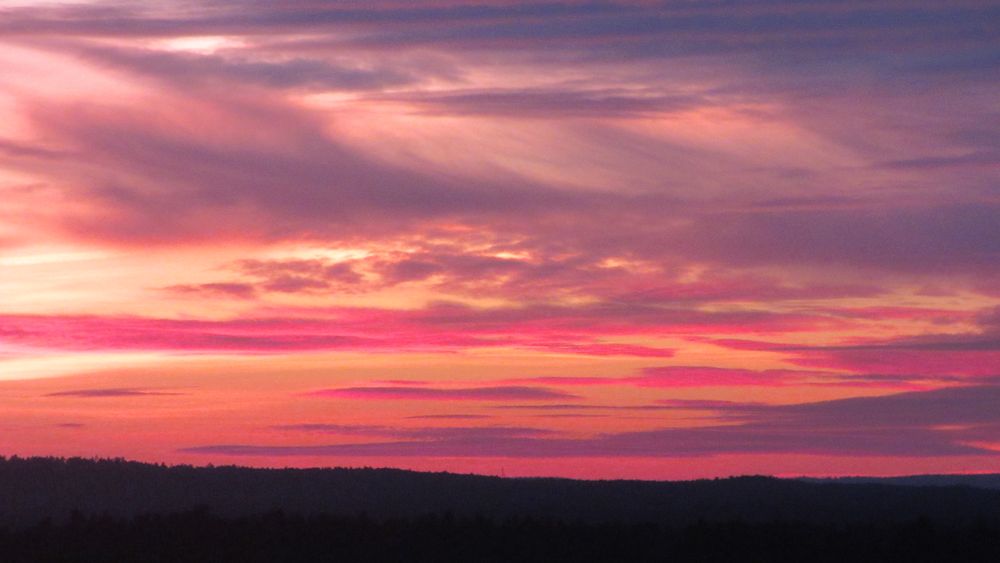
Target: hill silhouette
[(79, 510), (35, 488), (981, 481)]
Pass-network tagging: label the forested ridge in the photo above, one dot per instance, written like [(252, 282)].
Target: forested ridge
[(103, 510), (36, 488)]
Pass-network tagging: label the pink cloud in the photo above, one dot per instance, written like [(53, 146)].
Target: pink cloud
[(137, 333)]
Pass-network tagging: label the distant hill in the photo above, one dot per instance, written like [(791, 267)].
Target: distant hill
[(36, 488), (987, 481)]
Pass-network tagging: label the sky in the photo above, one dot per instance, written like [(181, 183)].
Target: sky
[(598, 239)]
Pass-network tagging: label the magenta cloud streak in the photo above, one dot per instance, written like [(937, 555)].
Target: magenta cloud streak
[(562, 329)]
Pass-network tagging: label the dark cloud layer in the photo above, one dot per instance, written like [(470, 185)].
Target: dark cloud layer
[(943, 422), (512, 392)]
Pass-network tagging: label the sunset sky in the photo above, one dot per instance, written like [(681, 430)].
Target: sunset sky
[(591, 239)]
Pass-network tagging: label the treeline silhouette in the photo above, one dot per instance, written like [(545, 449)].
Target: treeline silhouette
[(198, 536), (116, 510), (982, 481), (35, 488)]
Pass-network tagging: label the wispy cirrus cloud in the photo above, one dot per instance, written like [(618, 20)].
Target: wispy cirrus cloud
[(295, 73), (550, 104), (231, 177)]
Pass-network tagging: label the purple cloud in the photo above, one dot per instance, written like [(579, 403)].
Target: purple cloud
[(445, 394), (550, 104), (449, 416), (706, 376), (112, 392), (451, 433), (223, 289), (943, 422)]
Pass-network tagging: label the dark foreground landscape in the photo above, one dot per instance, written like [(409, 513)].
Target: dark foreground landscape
[(83, 510)]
